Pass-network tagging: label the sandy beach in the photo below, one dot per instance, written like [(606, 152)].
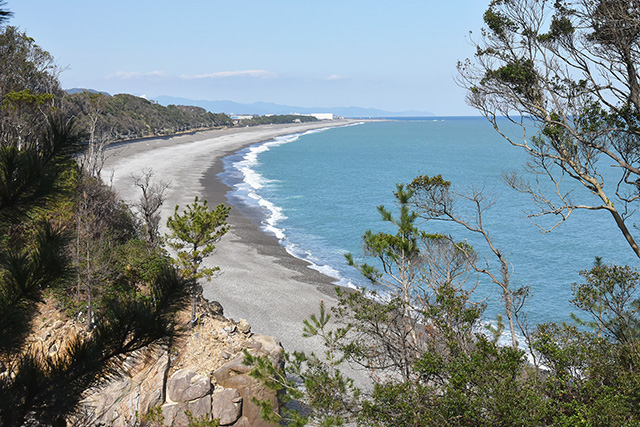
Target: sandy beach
[(259, 281)]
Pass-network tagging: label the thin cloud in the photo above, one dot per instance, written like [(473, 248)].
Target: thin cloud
[(225, 74), (335, 77)]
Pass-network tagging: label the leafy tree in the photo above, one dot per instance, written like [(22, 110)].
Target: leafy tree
[(590, 377), (418, 336), (98, 134), (414, 265), (472, 381), (33, 260), (566, 73), (430, 361), (102, 224), (592, 372), (610, 298), (277, 119), (28, 85), (40, 189), (434, 200), (122, 116), (193, 235)]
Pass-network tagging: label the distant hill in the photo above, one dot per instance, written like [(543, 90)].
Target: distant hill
[(81, 90), (126, 116), (262, 108)]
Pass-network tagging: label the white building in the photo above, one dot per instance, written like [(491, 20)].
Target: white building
[(242, 117), (322, 116)]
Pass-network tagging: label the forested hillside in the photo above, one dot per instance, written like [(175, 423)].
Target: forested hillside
[(67, 242), (111, 118)]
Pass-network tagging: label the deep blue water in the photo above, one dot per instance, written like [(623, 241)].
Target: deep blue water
[(318, 193)]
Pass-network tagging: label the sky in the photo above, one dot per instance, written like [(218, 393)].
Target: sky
[(392, 55)]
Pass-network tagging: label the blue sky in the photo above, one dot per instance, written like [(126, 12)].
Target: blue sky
[(393, 55)]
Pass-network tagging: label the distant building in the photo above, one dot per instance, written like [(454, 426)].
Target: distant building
[(237, 118), (242, 117), (319, 116)]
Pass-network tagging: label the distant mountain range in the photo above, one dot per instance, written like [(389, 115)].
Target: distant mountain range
[(263, 108)]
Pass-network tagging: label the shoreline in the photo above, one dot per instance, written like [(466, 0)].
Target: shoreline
[(258, 279)]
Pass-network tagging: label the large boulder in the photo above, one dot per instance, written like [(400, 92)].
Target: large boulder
[(226, 406), (234, 375), (233, 367), (200, 407), (186, 385), (270, 346), (249, 388), (174, 415)]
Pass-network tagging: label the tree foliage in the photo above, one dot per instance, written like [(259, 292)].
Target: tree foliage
[(277, 119), (430, 360), (414, 267), (193, 235), (44, 198), (566, 72), (123, 116), (435, 200), (28, 83), (151, 199)]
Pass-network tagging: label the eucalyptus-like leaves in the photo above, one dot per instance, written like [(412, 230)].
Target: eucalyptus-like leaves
[(565, 74), (435, 200)]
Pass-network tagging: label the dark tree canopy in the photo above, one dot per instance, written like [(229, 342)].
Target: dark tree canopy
[(41, 189), (5, 14)]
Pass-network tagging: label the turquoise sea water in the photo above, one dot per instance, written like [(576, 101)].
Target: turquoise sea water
[(318, 193)]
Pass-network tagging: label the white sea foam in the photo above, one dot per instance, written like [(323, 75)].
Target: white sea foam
[(250, 160), (253, 181), (353, 124), (249, 189), (296, 251)]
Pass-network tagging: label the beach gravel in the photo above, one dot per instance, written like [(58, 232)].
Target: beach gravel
[(258, 280)]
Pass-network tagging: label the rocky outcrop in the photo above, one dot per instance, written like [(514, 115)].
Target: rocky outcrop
[(205, 377), (187, 391), (136, 392), (185, 386), (235, 375)]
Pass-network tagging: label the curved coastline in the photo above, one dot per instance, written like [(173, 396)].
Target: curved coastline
[(245, 191), (259, 280)]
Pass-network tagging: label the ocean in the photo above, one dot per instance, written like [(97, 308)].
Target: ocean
[(318, 192)]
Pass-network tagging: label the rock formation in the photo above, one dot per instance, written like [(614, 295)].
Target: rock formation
[(202, 376)]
